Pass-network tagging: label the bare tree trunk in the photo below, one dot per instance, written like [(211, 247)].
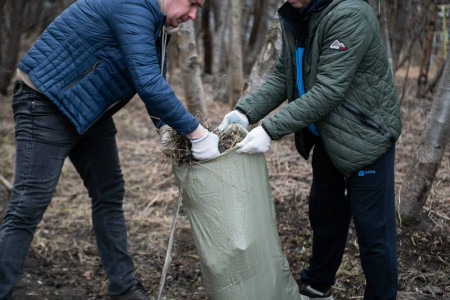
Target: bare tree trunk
[(397, 24), (34, 14), (207, 37), (422, 80), (435, 79), (247, 20), (235, 53), (417, 26), (1, 34), (219, 64), (8, 66), (387, 39), (172, 52), (421, 172), (267, 59), (221, 17), (401, 12), (258, 33), (193, 86), (40, 13)]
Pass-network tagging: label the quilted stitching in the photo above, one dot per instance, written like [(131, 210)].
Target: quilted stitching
[(350, 144)]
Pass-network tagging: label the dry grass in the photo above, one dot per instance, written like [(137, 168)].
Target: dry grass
[(178, 148)]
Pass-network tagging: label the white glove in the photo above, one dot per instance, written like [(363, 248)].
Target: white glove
[(232, 117), (165, 137), (256, 141), (206, 147)]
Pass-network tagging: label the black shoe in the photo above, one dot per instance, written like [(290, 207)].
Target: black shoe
[(135, 293), (308, 292)]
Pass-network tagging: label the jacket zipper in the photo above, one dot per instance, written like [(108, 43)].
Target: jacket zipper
[(83, 75), (367, 121)]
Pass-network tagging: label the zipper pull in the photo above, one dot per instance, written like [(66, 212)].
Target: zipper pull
[(346, 187)]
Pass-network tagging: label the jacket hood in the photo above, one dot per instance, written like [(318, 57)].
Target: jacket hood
[(297, 19), (291, 14)]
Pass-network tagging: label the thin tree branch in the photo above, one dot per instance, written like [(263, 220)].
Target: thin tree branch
[(6, 183)]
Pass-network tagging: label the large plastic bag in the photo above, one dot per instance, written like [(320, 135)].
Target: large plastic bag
[(232, 216)]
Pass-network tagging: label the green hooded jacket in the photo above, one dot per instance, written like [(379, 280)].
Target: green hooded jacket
[(349, 88)]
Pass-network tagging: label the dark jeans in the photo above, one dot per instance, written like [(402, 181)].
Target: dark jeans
[(370, 201), (44, 138)]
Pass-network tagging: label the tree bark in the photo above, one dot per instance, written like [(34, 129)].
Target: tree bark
[(247, 19), (220, 18), (235, 53), (386, 35), (34, 14), (401, 12), (207, 38), (267, 59), (417, 26), (219, 64), (1, 35), (193, 86), (8, 66), (436, 78), (422, 170), (257, 34), (422, 80), (397, 21)]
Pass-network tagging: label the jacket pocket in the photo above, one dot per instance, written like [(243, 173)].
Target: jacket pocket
[(84, 74), (366, 121)]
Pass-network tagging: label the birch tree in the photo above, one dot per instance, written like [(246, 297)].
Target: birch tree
[(192, 81), (422, 170)]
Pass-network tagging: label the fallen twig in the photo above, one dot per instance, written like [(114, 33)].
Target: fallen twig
[(440, 215), (6, 183)]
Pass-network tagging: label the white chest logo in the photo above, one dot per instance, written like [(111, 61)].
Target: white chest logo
[(336, 45)]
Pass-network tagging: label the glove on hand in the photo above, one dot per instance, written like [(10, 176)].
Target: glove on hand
[(206, 147), (233, 116), (256, 141), (165, 137)]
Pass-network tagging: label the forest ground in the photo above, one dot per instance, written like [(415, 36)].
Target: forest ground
[(63, 261)]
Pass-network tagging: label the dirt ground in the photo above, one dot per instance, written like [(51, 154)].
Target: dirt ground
[(63, 261)]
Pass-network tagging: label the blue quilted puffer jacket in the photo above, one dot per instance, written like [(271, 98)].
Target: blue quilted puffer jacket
[(99, 53)]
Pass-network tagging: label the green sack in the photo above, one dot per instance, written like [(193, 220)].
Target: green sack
[(232, 216)]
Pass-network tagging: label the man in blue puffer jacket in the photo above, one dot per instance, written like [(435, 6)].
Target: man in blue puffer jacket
[(86, 65)]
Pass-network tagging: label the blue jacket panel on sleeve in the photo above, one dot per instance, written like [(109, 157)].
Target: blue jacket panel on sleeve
[(99, 53)]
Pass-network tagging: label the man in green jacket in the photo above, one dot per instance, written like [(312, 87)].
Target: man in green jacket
[(342, 101)]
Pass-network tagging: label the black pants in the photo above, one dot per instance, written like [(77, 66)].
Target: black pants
[(368, 197)]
